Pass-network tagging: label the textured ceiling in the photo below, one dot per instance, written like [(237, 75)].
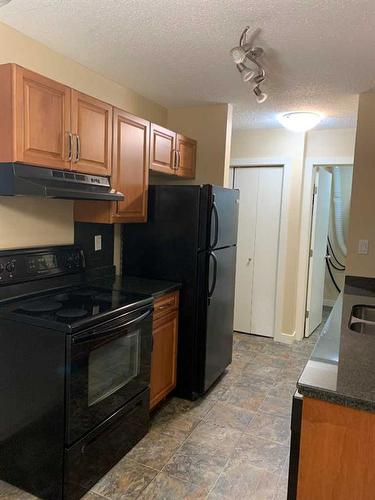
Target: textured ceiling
[(319, 53)]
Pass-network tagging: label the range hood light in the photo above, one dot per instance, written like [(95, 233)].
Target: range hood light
[(300, 121)]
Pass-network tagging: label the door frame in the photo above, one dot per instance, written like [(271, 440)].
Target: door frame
[(286, 165), (305, 232)]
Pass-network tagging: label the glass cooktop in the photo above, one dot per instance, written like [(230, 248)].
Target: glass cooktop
[(75, 304)]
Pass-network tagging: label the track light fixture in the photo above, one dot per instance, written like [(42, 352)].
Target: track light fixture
[(256, 74)]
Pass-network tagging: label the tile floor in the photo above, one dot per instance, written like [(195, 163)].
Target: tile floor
[(232, 444)]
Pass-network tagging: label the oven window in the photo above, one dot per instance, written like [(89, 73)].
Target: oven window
[(112, 366)]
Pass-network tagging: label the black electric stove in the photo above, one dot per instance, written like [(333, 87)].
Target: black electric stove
[(75, 363), (72, 308)]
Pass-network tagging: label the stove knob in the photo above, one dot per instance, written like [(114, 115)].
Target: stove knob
[(10, 267), (2, 267)]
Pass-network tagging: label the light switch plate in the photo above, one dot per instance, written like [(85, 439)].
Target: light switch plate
[(98, 242), (363, 247)]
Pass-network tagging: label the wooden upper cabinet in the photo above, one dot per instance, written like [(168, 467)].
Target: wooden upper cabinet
[(186, 156), (36, 111), (131, 159), (92, 130), (162, 150)]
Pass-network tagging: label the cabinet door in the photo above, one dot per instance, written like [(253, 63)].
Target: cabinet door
[(163, 144), (42, 120), (186, 159), (131, 159), (164, 357), (92, 127)]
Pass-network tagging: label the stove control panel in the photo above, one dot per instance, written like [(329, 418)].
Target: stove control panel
[(29, 264)]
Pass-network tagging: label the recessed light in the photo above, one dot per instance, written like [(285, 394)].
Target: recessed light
[(299, 121)]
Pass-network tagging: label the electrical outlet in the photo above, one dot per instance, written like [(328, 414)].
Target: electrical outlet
[(98, 242), (363, 247)]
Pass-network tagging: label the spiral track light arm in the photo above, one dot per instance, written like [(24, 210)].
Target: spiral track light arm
[(244, 52)]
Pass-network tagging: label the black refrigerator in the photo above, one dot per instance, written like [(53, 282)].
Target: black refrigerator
[(191, 237)]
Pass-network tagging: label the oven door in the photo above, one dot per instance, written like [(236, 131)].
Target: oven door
[(107, 366)]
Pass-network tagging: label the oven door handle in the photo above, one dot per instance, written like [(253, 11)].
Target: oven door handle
[(108, 333)]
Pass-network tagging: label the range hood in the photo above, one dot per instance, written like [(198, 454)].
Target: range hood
[(18, 179)]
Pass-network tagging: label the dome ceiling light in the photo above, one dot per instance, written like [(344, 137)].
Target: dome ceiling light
[(255, 74), (300, 121)]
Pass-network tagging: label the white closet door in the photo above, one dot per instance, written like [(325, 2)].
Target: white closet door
[(266, 250), (246, 180), (258, 247)]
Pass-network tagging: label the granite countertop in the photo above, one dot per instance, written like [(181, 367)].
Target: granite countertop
[(134, 284), (341, 368)]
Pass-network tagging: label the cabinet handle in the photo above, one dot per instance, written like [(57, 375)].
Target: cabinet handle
[(78, 150), (70, 146), (178, 159), (174, 159)]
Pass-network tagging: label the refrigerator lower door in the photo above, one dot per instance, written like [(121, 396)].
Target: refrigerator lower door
[(220, 305)]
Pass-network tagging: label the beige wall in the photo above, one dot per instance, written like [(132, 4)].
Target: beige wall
[(362, 212), (295, 148), (211, 126), (282, 145), (33, 222), (333, 142)]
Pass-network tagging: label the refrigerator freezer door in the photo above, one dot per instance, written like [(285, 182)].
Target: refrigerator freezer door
[(224, 217), (219, 333)]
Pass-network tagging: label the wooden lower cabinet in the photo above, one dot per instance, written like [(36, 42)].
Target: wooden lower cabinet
[(164, 353), (337, 452)]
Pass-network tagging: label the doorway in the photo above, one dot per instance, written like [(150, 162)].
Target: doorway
[(328, 235), (261, 190)]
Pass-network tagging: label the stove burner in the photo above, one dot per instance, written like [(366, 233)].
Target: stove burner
[(71, 313), (41, 306), (106, 297), (62, 297), (83, 293)]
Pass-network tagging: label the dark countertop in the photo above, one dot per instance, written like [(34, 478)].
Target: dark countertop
[(341, 368), (156, 288), (134, 284)]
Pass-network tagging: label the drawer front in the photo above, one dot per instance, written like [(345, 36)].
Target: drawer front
[(165, 304)]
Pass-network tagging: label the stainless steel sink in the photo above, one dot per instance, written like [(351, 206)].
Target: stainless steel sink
[(364, 313), (362, 319)]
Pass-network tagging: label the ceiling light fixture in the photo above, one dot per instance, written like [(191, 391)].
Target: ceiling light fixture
[(246, 53), (299, 121), (4, 2), (246, 73)]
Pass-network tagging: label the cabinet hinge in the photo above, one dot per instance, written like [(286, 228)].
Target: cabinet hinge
[(315, 189), (311, 252), (307, 314)]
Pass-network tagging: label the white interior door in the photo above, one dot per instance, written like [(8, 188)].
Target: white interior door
[(247, 180), (258, 246), (318, 249)]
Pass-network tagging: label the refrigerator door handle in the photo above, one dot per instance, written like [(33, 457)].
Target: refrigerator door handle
[(213, 283), (215, 213)]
